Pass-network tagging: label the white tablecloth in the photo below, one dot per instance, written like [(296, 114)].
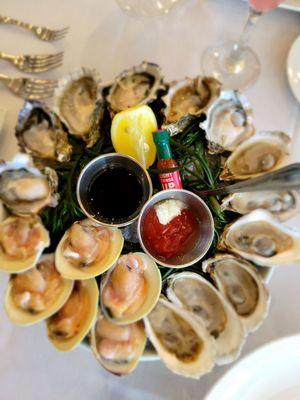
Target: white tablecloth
[(103, 37)]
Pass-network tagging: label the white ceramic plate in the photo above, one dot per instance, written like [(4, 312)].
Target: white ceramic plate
[(269, 373), (293, 68)]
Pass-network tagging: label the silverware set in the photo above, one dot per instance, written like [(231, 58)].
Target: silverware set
[(32, 88)]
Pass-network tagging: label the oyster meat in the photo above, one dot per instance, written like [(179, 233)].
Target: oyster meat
[(259, 237), (118, 348), (197, 295), (40, 133), (181, 341), (68, 327), (36, 294), (22, 241), (130, 289), (24, 189), (74, 102), (240, 282), (263, 152), (229, 122), (87, 249), (139, 85), (190, 97), (282, 204)]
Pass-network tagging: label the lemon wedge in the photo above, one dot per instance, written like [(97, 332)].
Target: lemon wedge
[(131, 134)]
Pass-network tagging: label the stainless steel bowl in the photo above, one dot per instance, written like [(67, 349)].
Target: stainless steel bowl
[(206, 227), (98, 164)]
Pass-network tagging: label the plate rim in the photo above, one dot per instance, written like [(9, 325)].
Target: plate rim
[(294, 45)]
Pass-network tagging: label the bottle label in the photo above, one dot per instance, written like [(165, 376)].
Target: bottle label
[(171, 180)]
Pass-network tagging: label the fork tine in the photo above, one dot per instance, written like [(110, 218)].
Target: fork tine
[(38, 90), (59, 35), (42, 57), (63, 30), (41, 62), (45, 68)]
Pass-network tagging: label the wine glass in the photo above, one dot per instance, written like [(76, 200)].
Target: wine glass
[(147, 8), (235, 64)]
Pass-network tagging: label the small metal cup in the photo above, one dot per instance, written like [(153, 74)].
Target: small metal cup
[(205, 221), (98, 164)]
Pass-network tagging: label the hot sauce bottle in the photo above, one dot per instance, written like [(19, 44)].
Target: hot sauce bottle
[(169, 180)]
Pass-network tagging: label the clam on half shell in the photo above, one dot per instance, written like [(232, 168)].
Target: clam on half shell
[(22, 241), (260, 238), (240, 282), (130, 289), (35, 295), (229, 122), (181, 341), (40, 133), (118, 348), (88, 249), (68, 327), (135, 86), (282, 204), (75, 100), (261, 153), (24, 189), (197, 295)]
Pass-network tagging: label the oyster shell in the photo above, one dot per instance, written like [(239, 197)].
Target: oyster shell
[(75, 100), (181, 341), (130, 289), (22, 241), (259, 237), (118, 348), (229, 122), (282, 204), (196, 294), (24, 189), (35, 295), (240, 282), (69, 326), (138, 85), (87, 249), (40, 133), (263, 152), (190, 97)]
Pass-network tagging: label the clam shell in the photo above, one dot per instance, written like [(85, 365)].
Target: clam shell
[(212, 308), (24, 318), (244, 277)]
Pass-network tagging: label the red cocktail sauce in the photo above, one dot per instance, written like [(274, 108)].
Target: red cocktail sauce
[(172, 239)]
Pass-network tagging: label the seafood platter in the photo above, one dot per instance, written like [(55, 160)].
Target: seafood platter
[(112, 249)]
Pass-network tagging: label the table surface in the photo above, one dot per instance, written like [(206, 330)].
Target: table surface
[(103, 37)]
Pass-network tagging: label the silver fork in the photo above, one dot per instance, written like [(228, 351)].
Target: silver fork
[(34, 63), (29, 88), (41, 32)]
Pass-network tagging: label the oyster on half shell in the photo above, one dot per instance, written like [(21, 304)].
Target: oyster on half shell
[(40, 133), (242, 285), (196, 294), (282, 204), (24, 189), (260, 238), (190, 97), (181, 341), (263, 152), (75, 100), (118, 348), (229, 122), (135, 86)]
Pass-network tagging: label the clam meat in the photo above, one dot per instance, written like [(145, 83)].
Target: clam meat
[(87, 249), (22, 241), (263, 152), (131, 288), (197, 295), (260, 238), (118, 348), (139, 85), (242, 285), (181, 341), (282, 204), (40, 133)]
